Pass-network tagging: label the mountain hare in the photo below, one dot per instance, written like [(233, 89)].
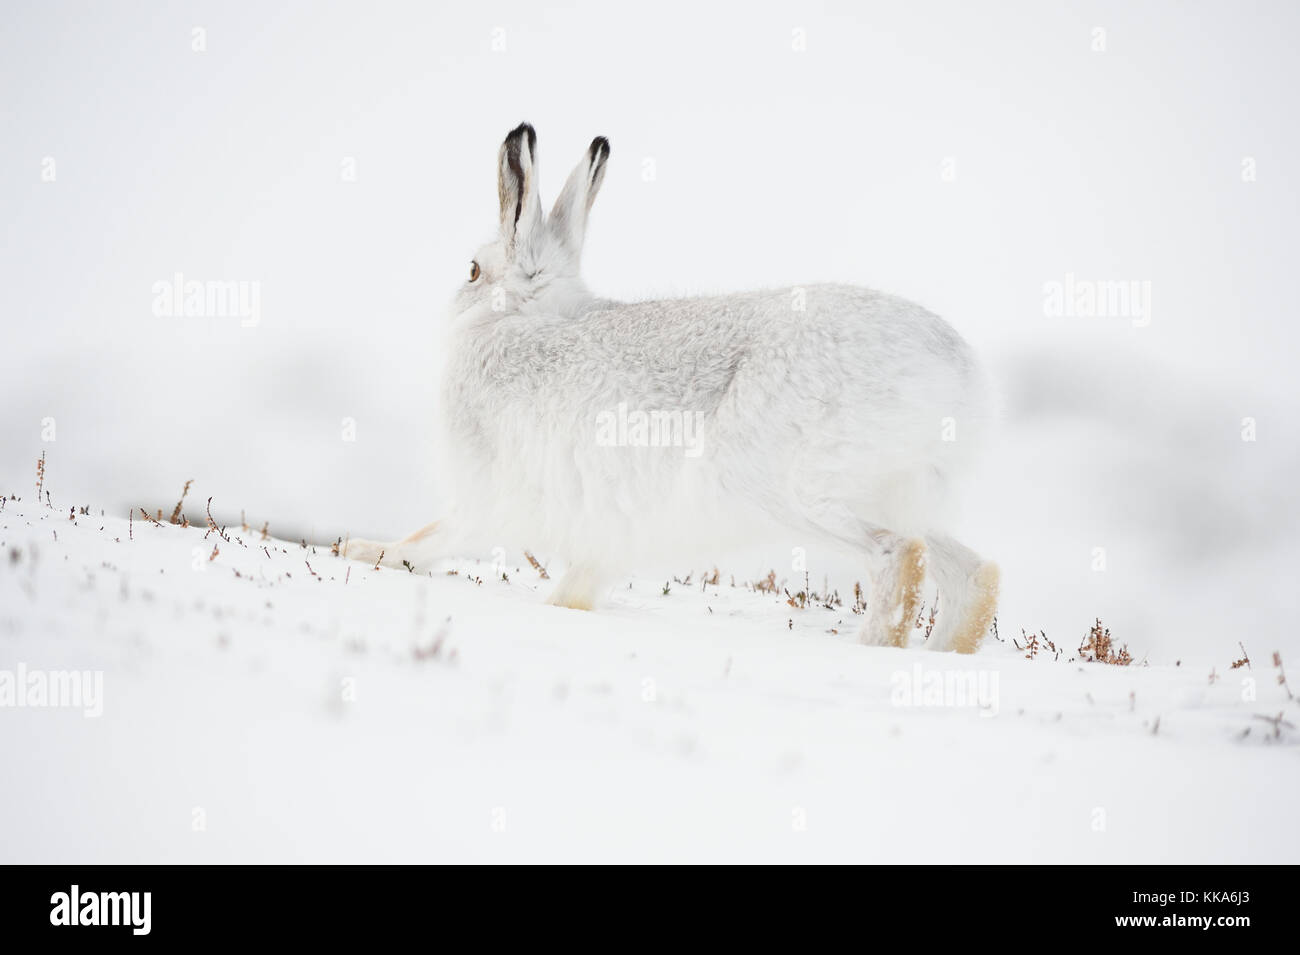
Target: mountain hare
[(609, 433)]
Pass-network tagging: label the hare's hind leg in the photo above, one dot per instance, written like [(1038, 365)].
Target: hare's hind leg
[(579, 588), (419, 549), (895, 595), (896, 564), (968, 595)]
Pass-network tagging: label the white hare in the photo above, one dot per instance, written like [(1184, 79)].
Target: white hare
[(609, 433)]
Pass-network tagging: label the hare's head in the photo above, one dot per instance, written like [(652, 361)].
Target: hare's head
[(532, 265)]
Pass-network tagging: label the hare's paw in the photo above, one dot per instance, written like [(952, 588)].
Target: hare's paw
[(878, 632), (980, 606), (570, 601), (896, 596), (578, 589), (911, 574)]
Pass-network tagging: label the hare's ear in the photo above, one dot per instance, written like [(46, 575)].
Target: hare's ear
[(521, 207), (568, 220)]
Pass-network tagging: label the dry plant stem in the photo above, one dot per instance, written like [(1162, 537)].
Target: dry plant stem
[(176, 511), (541, 571), (212, 525), (1281, 675)]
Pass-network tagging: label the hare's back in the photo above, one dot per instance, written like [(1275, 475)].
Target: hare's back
[(820, 340)]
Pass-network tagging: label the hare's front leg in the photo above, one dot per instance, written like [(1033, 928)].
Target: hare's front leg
[(895, 595), (419, 550), (580, 587)]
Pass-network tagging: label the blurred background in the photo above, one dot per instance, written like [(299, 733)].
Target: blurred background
[(342, 157)]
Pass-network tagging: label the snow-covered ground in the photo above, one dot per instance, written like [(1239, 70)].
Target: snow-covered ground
[(262, 700)]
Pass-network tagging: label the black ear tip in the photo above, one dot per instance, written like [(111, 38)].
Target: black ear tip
[(599, 148), (521, 131)]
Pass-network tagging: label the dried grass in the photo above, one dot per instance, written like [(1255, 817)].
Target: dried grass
[(1099, 647)]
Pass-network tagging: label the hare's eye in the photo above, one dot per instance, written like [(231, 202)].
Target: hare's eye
[(473, 272)]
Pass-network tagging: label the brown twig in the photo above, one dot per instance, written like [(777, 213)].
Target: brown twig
[(212, 525), (1281, 675), (541, 571)]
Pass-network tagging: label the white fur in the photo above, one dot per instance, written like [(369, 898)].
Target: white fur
[(824, 410)]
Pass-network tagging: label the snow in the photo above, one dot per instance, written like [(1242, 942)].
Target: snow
[(276, 703)]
